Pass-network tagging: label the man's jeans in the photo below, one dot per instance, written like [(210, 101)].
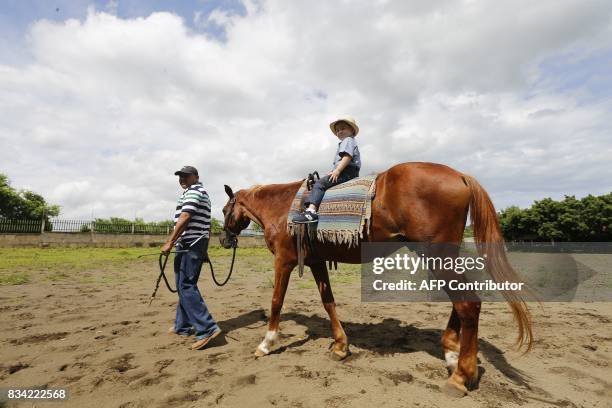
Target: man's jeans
[(191, 310), (322, 184)]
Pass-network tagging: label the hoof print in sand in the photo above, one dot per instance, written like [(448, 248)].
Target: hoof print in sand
[(246, 380), (162, 364), (180, 399), (12, 369), (122, 363), (39, 338), (400, 377)]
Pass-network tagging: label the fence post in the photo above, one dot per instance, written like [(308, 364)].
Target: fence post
[(42, 223), (133, 227), (93, 227)]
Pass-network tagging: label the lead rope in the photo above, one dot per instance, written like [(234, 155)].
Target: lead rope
[(162, 267), (212, 271), (163, 260)]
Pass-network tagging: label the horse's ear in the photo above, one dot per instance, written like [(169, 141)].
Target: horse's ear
[(229, 191)]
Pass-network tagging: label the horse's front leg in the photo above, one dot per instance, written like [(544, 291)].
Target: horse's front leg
[(340, 349), (282, 272)]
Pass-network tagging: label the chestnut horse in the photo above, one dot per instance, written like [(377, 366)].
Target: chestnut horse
[(414, 202)]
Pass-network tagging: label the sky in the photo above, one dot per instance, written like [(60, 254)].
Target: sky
[(101, 101)]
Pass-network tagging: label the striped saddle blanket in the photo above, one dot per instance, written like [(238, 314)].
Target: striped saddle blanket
[(344, 213)]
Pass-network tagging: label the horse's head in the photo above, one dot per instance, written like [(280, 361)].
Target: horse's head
[(235, 220)]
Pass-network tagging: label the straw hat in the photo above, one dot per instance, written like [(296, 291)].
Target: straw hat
[(350, 121)]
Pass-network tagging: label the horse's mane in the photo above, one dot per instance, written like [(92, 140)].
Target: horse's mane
[(256, 188)]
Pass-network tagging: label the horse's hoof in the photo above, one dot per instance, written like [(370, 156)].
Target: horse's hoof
[(454, 390), (472, 383), (259, 353), (340, 354)]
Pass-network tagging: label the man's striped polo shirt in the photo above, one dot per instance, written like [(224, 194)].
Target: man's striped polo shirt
[(195, 201)]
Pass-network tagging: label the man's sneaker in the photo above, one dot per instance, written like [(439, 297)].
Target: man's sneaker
[(306, 217), (200, 344)]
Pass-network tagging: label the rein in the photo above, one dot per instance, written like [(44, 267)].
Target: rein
[(212, 271), (163, 260)]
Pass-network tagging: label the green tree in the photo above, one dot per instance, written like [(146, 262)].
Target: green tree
[(584, 220), (517, 224), (23, 204), (597, 217), (547, 212), (215, 226)]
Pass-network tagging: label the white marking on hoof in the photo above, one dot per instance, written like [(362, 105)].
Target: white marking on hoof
[(268, 342), (452, 359)]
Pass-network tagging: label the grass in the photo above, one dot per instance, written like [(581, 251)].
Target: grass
[(35, 258), (22, 265), (14, 278), (115, 265), (346, 274), (62, 259)]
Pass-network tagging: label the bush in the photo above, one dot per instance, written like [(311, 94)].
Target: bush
[(586, 220)]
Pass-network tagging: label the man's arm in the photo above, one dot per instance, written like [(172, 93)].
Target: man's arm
[(335, 173), (181, 225)]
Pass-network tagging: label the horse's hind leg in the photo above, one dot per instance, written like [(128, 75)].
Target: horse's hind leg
[(450, 340), (466, 371), (282, 272), (340, 349), (460, 339), (451, 336)]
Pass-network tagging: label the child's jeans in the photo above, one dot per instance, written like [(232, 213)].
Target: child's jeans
[(322, 184)]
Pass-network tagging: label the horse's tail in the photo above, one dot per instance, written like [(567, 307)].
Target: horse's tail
[(490, 243)]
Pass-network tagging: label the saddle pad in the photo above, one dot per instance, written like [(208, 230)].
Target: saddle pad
[(344, 212)]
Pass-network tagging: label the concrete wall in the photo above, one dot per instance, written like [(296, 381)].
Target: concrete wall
[(78, 239)]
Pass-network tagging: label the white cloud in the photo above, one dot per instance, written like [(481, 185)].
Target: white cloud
[(108, 108)]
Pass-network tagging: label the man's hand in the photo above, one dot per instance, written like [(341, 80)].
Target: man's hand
[(181, 225), (167, 247)]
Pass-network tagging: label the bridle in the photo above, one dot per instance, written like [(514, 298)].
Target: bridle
[(230, 217)]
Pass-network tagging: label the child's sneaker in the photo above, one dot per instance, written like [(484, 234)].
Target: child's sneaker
[(306, 217)]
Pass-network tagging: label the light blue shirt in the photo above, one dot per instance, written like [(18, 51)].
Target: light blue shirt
[(348, 146)]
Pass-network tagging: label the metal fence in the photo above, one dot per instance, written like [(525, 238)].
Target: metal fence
[(13, 226), (58, 225), (10, 226), (101, 227)]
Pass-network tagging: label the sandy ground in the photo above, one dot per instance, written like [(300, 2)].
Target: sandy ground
[(104, 344)]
